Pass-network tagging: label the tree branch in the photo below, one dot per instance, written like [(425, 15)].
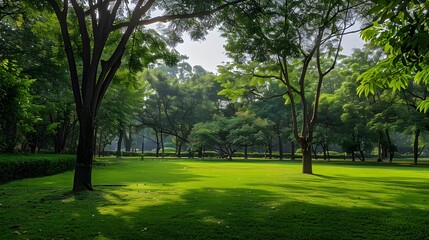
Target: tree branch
[(171, 17)]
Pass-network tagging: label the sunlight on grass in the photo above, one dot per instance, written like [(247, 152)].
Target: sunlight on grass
[(183, 199)]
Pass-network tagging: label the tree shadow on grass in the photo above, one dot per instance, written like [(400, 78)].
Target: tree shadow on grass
[(224, 213), (158, 210)]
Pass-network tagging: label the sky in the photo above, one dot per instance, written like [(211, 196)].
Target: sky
[(210, 53)]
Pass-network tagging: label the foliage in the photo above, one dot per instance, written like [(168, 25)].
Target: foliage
[(401, 29), (273, 43), (14, 167), (225, 134), (15, 107)]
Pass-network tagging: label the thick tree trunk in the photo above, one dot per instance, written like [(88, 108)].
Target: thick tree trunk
[(416, 145), (306, 158), (84, 156)]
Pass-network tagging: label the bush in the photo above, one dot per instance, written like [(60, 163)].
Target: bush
[(14, 167)]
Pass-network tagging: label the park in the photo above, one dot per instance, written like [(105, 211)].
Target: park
[(220, 199), (107, 131)]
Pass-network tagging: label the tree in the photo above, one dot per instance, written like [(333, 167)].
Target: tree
[(401, 29), (14, 104), (226, 134), (279, 43), (95, 36)]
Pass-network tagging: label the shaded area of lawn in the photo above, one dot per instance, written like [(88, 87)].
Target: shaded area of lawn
[(221, 200)]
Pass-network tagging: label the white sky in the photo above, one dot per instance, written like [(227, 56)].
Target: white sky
[(210, 53)]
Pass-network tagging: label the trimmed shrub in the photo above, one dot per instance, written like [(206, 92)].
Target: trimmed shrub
[(14, 167)]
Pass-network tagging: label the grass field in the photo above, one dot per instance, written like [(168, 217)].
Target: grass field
[(185, 199)]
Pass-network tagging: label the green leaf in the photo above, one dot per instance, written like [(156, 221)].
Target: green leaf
[(423, 106)]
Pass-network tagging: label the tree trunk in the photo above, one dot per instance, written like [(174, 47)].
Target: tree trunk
[(314, 150), (142, 157), (327, 151), (9, 137), (200, 153), (306, 158), (324, 146), (84, 156), (292, 150), (416, 145), (379, 148), (279, 138), (362, 155), (391, 148), (162, 146), (128, 139), (245, 152), (119, 146)]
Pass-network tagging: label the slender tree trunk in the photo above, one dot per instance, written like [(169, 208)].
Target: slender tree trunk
[(229, 155), (128, 139), (292, 150), (158, 144), (200, 153), (391, 148), (385, 151), (327, 151), (33, 142), (314, 150), (62, 134), (379, 148), (9, 137), (162, 146), (179, 150), (362, 155), (324, 150), (279, 138), (416, 145), (270, 150), (119, 146), (245, 152), (142, 146), (84, 156)]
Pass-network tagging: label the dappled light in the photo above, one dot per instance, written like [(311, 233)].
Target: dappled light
[(107, 131), (227, 200)]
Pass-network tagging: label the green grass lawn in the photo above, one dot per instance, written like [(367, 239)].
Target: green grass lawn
[(194, 199)]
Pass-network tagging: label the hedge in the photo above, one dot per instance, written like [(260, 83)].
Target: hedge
[(14, 167)]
